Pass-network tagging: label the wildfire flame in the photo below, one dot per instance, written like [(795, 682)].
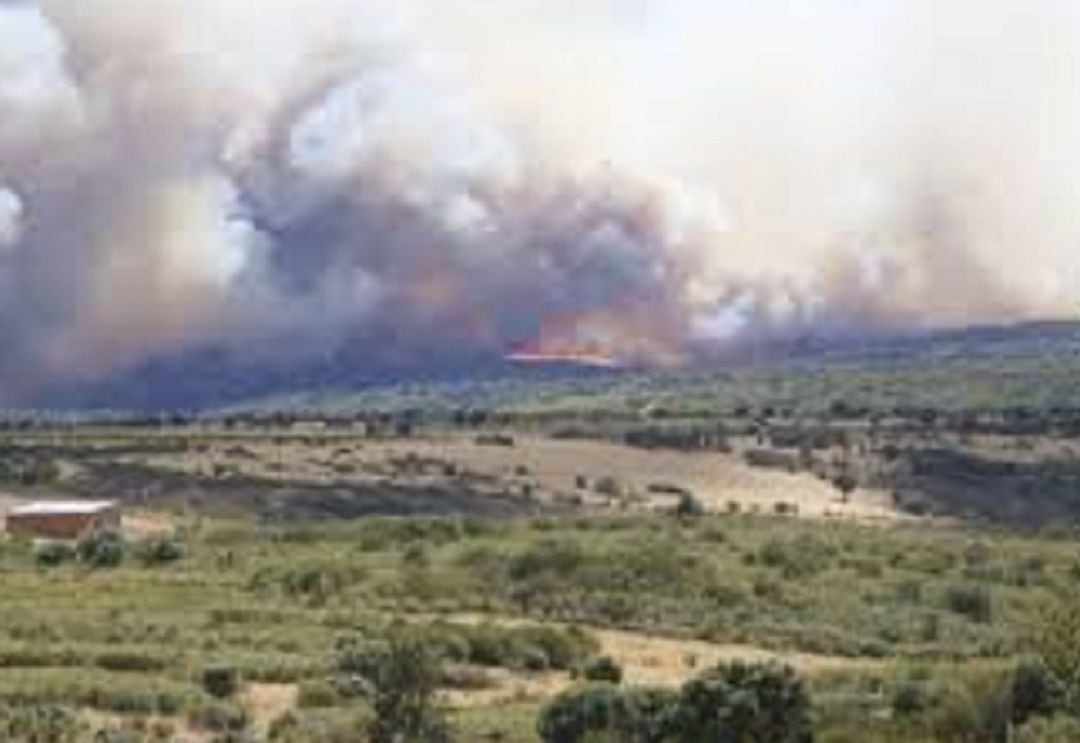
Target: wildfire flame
[(602, 339)]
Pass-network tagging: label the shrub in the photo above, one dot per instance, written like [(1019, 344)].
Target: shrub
[(977, 554), (743, 702), (101, 549), (221, 681), (570, 716), (970, 600), (653, 713), (641, 716), (467, 678), (39, 723), (727, 704), (534, 659), (405, 677), (39, 655), (559, 557), (415, 555), (601, 668), (910, 698), (355, 656), (51, 554), (318, 694), (800, 557), (714, 534), (303, 728), (608, 486), (562, 647), (975, 704), (771, 459), (1057, 729), (161, 551), (494, 439), (689, 506), (972, 708), (783, 508), (130, 661), (1034, 691), (846, 483), (1057, 641)]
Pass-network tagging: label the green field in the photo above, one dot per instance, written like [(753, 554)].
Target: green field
[(898, 530), (863, 612)]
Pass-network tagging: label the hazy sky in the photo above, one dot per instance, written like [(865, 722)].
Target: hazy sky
[(662, 179)]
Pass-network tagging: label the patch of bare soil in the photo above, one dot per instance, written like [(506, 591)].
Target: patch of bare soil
[(267, 702), (661, 661), (646, 660), (146, 524), (591, 474), (508, 686)]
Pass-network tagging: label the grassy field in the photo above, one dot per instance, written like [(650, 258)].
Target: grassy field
[(899, 529), (511, 606)]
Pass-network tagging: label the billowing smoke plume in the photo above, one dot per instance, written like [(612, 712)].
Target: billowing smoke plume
[(655, 181)]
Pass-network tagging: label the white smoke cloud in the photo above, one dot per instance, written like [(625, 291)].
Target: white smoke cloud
[(11, 215), (284, 177)]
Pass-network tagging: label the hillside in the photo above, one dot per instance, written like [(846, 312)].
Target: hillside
[(1036, 365)]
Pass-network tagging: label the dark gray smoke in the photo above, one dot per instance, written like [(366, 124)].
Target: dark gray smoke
[(401, 183)]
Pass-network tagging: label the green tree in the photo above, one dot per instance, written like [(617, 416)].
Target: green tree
[(603, 712), (101, 549), (406, 676), (161, 550), (740, 703), (221, 681), (1034, 691), (689, 507)]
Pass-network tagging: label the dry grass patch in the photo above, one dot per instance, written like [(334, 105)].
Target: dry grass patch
[(267, 702)]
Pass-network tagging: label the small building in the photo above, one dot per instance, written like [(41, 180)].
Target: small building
[(62, 519)]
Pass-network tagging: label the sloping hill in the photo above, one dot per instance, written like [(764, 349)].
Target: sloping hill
[(1033, 364)]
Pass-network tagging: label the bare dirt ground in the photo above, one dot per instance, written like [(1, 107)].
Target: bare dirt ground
[(550, 470), (144, 524), (662, 661), (646, 659), (267, 702), (507, 686)]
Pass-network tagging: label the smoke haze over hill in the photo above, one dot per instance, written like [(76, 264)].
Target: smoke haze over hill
[(415, 181)]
